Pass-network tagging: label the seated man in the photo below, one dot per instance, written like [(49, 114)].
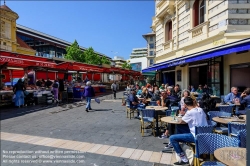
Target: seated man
[(244, 101), (164, 102), (195, 116), (156, 96), (133, 99), (245, 97), (232, 96)]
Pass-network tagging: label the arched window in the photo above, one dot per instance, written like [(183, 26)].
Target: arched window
[(202, 12), (168, 31), (198, 12)]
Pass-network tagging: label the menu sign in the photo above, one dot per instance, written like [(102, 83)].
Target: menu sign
[(11, 60), (42, 64)]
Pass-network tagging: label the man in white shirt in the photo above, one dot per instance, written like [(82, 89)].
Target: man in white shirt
[(114, 89), (195, 116)]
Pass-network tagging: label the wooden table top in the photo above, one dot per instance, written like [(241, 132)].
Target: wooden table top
[(231, 156), (157, 108), (244, 116), (169, 119), (225, 105), (214, 96), (226, 120)]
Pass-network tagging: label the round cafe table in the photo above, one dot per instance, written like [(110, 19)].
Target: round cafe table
[(226, 120), (157, 108), (231, 156), (169, 119)]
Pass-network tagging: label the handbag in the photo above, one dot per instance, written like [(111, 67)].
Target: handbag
[(13, 98), (97, 100), (188, 152)]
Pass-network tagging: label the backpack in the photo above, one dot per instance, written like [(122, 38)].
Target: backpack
[(55, 85)]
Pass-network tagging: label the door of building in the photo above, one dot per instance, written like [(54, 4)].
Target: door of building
[(239, 76), (198, 75), (168, 77)]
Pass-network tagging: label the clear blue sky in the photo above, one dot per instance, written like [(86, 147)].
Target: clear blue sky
[(107, 26)]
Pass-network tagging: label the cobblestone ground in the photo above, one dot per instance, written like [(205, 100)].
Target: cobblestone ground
[(104, 134)]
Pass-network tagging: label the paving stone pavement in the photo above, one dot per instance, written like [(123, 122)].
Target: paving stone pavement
[(106, 124)]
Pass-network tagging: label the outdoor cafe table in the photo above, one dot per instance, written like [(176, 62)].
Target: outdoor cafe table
[(226, 120), (169, 119), (157, 108), (147, 100), (231, 156), (225, 105)]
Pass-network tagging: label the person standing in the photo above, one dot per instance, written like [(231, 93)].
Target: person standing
[(61, 89), (114, 89), (18, 91), (55, 90), (88, 93), (48, 83)]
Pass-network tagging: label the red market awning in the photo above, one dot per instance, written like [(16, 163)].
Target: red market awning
[(22, 61), (87, 68)]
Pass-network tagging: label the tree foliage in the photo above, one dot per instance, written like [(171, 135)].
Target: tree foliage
[(88, 56), (75, 53), (126, 65)]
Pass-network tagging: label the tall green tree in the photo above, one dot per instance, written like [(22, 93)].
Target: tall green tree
[(105, 60), (91, 57), (75, 53)]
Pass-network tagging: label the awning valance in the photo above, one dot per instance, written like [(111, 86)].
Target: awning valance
[(230, 48)]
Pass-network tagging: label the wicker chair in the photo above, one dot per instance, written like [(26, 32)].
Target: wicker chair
[(207, 143), (147, 116)]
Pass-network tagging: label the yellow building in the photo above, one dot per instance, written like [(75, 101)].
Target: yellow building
[(8, 39), (202, 42)]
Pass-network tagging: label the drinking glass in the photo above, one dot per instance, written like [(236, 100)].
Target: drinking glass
[(222, 99)]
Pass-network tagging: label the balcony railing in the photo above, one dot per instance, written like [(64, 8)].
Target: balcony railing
[(168, 45), (201, 29)]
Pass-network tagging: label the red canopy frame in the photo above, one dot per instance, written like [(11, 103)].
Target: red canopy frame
[(23, 61)]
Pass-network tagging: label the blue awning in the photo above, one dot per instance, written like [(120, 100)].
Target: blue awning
[(211, 54)]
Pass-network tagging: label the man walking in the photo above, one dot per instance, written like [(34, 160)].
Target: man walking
[(114, 89)]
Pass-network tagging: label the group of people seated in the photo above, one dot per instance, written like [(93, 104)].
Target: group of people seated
[(192, 114)]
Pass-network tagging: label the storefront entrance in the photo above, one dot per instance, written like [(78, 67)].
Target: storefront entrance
[(198, 75), (207, 72), (168, 77)]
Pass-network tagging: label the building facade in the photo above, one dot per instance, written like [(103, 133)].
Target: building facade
[(202, 42), (44, 44), (8, 39), (118, 61), (150, 38)]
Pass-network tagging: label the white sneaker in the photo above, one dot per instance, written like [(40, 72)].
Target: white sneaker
[(163, 136)]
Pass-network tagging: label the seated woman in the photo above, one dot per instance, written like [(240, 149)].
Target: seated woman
[(185, 93), (181, 112), (199, 90), (144, 93)]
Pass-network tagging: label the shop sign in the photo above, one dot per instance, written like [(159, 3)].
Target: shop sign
[(11, 60), (219, 42), (41, 64), (177, 63)]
